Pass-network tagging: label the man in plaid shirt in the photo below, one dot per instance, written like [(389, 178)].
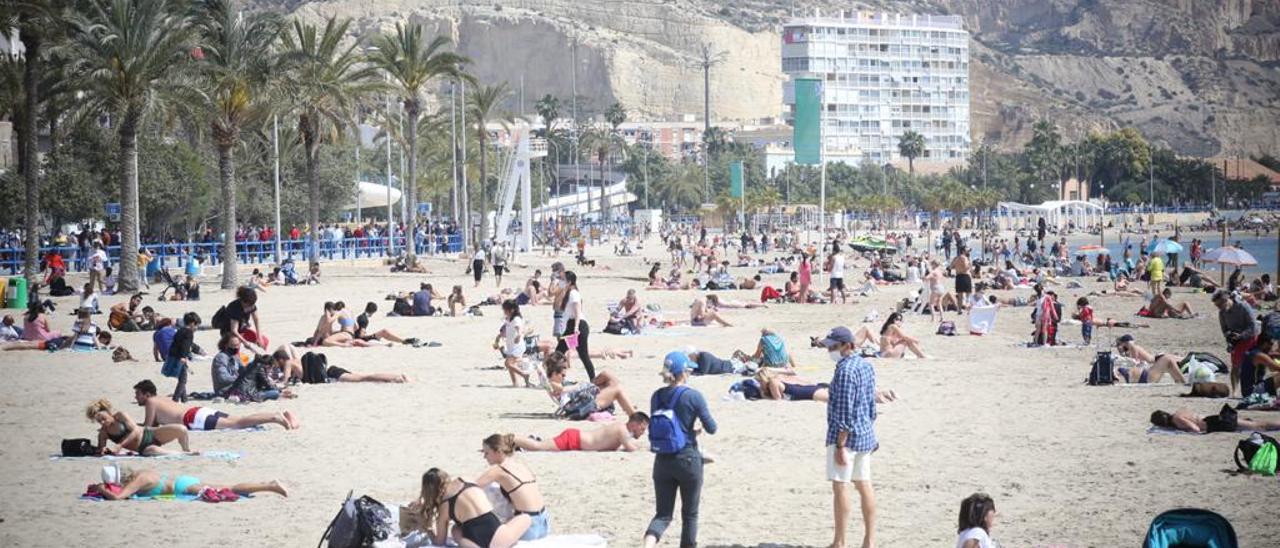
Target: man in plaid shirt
[(851, 435)]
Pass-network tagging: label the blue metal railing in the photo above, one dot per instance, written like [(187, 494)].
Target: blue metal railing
[(209, 253)]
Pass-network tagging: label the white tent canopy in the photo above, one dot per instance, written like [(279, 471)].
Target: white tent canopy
[(1056, 213)]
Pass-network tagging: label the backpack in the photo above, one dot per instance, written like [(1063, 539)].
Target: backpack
[(80, 447), (314, 366), (1257, 453), (361, 522), (614, 327), (402, 308), (581, 404), (666, 435), (1101, 372), (948, 328), (220, 321)]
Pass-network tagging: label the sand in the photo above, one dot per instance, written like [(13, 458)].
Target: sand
[(1068, 464)]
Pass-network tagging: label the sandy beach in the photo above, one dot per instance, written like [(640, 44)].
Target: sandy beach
[(1067, 464)]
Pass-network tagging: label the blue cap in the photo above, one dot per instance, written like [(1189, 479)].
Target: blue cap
[(676, 362), (839, 335)]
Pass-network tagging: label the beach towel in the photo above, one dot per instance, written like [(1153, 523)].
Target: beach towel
[(982, 319), (182, 498), (224, 456)]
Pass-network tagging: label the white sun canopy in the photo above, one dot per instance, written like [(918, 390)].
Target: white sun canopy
[(1056, 213)]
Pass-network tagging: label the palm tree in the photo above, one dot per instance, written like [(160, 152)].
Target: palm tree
[(234, 70), (412, 64), (911, 145), (324, 78), (37, 22), (548, 108), (598, 141), (482, 105), (129, 56)]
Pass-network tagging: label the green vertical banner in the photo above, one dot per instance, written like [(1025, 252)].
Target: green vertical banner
[(807, 136), (735, 179)]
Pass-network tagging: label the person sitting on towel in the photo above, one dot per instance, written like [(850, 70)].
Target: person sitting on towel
[(516, 482), (615, 436), (166, 411)]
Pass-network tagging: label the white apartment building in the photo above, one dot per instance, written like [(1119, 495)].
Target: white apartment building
[(884, 74)]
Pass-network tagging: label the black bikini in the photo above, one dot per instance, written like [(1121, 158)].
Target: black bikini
[(507, 494), (479, 529)]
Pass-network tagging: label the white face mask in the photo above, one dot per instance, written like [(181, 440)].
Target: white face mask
[(835, 355)]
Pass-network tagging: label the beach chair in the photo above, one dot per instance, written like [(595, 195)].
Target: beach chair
[(1190, 528)]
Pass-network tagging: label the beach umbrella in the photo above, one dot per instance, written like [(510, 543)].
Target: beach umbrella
[(1167, 247), (1230, 255), (1093, 250)]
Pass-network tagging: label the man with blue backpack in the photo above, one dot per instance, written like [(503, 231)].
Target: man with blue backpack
[(677, 463), (851, 435)]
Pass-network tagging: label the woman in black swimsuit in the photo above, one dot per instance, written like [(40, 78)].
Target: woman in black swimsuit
[(128, 436), (469, 508), (517, 483)]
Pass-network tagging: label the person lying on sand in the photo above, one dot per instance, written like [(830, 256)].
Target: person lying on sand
[(1153, 366), (130, 438), (1187, 421), (776, 386), (615, 436), (288, 366), (363, 333), (547, 346), (149, 483), (161, 411), (607, 388)]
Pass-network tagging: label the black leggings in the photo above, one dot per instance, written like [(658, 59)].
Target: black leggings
[(180, 391), (680, 474), (583, 354)]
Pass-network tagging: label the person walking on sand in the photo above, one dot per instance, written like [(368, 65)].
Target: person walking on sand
[(677, 462), (851, 436)]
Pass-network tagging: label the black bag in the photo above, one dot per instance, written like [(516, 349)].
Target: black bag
[(79, 447), (402, 307), (313, 368), (614, 327), (360, 523), (1101, 373), (1250, 446), (220, 320), (1227, 420)]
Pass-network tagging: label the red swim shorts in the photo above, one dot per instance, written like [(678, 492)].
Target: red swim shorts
[(569, 440)]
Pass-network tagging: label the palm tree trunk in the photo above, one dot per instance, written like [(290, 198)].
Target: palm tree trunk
[(29, 137), (604, 195), (484, 181), (311, 143), (128, 265), (411, 228), (227, 175)]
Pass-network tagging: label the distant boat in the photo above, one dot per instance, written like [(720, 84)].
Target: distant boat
[(373, 195)]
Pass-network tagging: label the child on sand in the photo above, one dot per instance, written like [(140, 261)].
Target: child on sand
[(1084, 313)]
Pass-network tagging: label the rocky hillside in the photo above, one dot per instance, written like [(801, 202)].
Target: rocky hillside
[(1201, 76)]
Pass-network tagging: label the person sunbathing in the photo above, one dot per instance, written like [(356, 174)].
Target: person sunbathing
[(1152, 366), (717, 302), (606, 388), (1187, 421), (790, 387), (1161, 307), (345, 336), (162, 411), (1194, 277), (614, 436), (130, 438), (771, 351), (894, 342), (122, 483), (446, 499), (516, 482), (702, 313), (547, 346), (288, 366)]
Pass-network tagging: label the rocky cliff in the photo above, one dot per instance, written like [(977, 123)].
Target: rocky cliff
[(1198, 75)]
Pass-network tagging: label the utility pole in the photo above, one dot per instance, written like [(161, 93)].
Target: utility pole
[(275, 176), (466, 201), (577, 167)]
